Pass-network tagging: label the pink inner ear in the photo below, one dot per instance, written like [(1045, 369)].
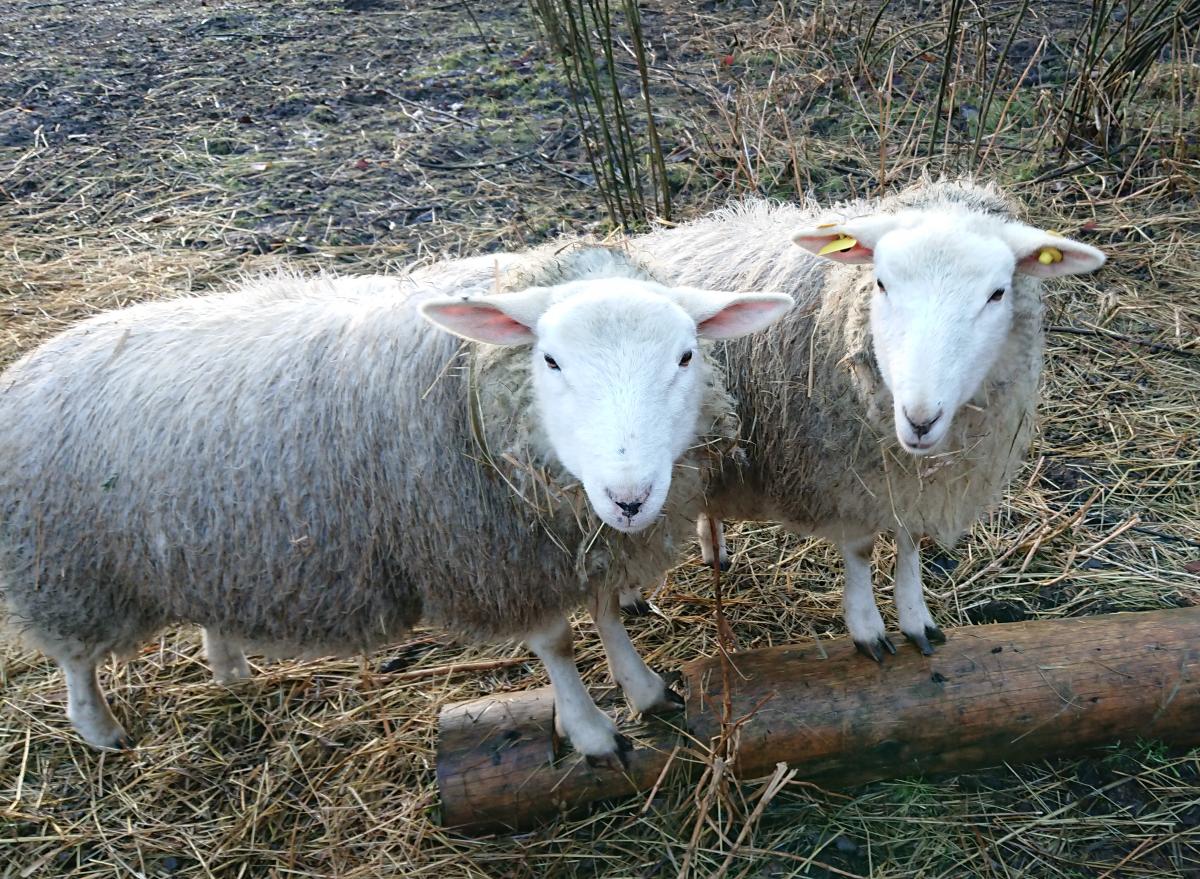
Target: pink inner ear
[(482, 322), (735, 320), (855, 254)]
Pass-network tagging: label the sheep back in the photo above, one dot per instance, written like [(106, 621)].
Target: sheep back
[(294, 464)]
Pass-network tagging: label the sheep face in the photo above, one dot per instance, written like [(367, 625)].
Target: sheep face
[(618, 377), (942, 307), (940, 314)]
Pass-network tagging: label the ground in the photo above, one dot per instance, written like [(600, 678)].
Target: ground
[(149, 149)]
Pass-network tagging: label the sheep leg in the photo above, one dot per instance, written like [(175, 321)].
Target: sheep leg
[(858, 600), (704, 533), (632, 602), (576, 716), (915, 620), (645, 691), (87, 708), (225, 658)]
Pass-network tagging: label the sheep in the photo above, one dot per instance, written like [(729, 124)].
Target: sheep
[(306, 467), (911, 387), (900, 400)]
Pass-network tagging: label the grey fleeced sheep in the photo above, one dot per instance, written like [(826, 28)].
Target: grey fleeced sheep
[(900, 400), (307, 467), (911, 387)]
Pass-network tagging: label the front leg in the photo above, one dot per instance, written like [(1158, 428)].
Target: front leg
[(915, 620), (858, 599), (576, 716), (645, 691)]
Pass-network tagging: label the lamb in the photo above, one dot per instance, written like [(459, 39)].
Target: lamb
[(306, 467), (900, 400), (911, 387)]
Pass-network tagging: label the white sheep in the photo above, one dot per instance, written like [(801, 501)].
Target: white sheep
[(307, 467), (911, 388), (900, 400)]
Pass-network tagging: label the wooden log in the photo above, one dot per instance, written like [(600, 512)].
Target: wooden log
[(991, 694)]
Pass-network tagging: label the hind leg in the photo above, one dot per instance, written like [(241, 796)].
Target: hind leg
[(86, 707), (633, 603), (707, 550), (225, 658)]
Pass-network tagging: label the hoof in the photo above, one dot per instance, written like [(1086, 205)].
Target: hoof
[(670, 703), (229, 677), (639, 608), (615, 760), (925, 640), (123, 742), (871, 649), (921, 642)]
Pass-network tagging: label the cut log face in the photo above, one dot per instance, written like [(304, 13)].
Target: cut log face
[(991, 694)]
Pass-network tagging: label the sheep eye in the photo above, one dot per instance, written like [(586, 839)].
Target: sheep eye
[(997, 295), (879, 284), (551, 362), (686, 358)]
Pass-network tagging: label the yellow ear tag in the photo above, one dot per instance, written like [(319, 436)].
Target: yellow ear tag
[(837, 245), (1049, 255), (826, 225)]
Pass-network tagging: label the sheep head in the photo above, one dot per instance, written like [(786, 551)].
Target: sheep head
[(618, 379), (943, 304)]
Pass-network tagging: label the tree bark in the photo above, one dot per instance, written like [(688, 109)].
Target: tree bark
[(991, 694)]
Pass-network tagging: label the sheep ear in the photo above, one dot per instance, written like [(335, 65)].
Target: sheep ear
[(500, 319), (1048, 254), (850, 241), (722, 315)]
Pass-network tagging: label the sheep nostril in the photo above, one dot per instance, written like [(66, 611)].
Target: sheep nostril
[(923, 427), (629, 507)]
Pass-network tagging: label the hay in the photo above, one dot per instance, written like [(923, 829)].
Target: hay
[(142, 182)]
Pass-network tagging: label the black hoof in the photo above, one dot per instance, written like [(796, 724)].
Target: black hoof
[(921, 642), (871, 649), (725, 564), (616, 760), (926, 639), (671, 702), (124, 743), (639, 608)]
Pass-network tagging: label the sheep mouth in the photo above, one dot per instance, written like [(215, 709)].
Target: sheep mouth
[(923, 446)]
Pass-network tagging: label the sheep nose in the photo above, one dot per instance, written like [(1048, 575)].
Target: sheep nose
[(920, 428), (630, 500), (630, 507)]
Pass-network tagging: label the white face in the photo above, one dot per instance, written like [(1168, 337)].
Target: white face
[(942, 308), (940, 315), (619, 383), (618, 379)]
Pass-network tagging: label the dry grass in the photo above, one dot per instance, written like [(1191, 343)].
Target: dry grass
[(142, 182)]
